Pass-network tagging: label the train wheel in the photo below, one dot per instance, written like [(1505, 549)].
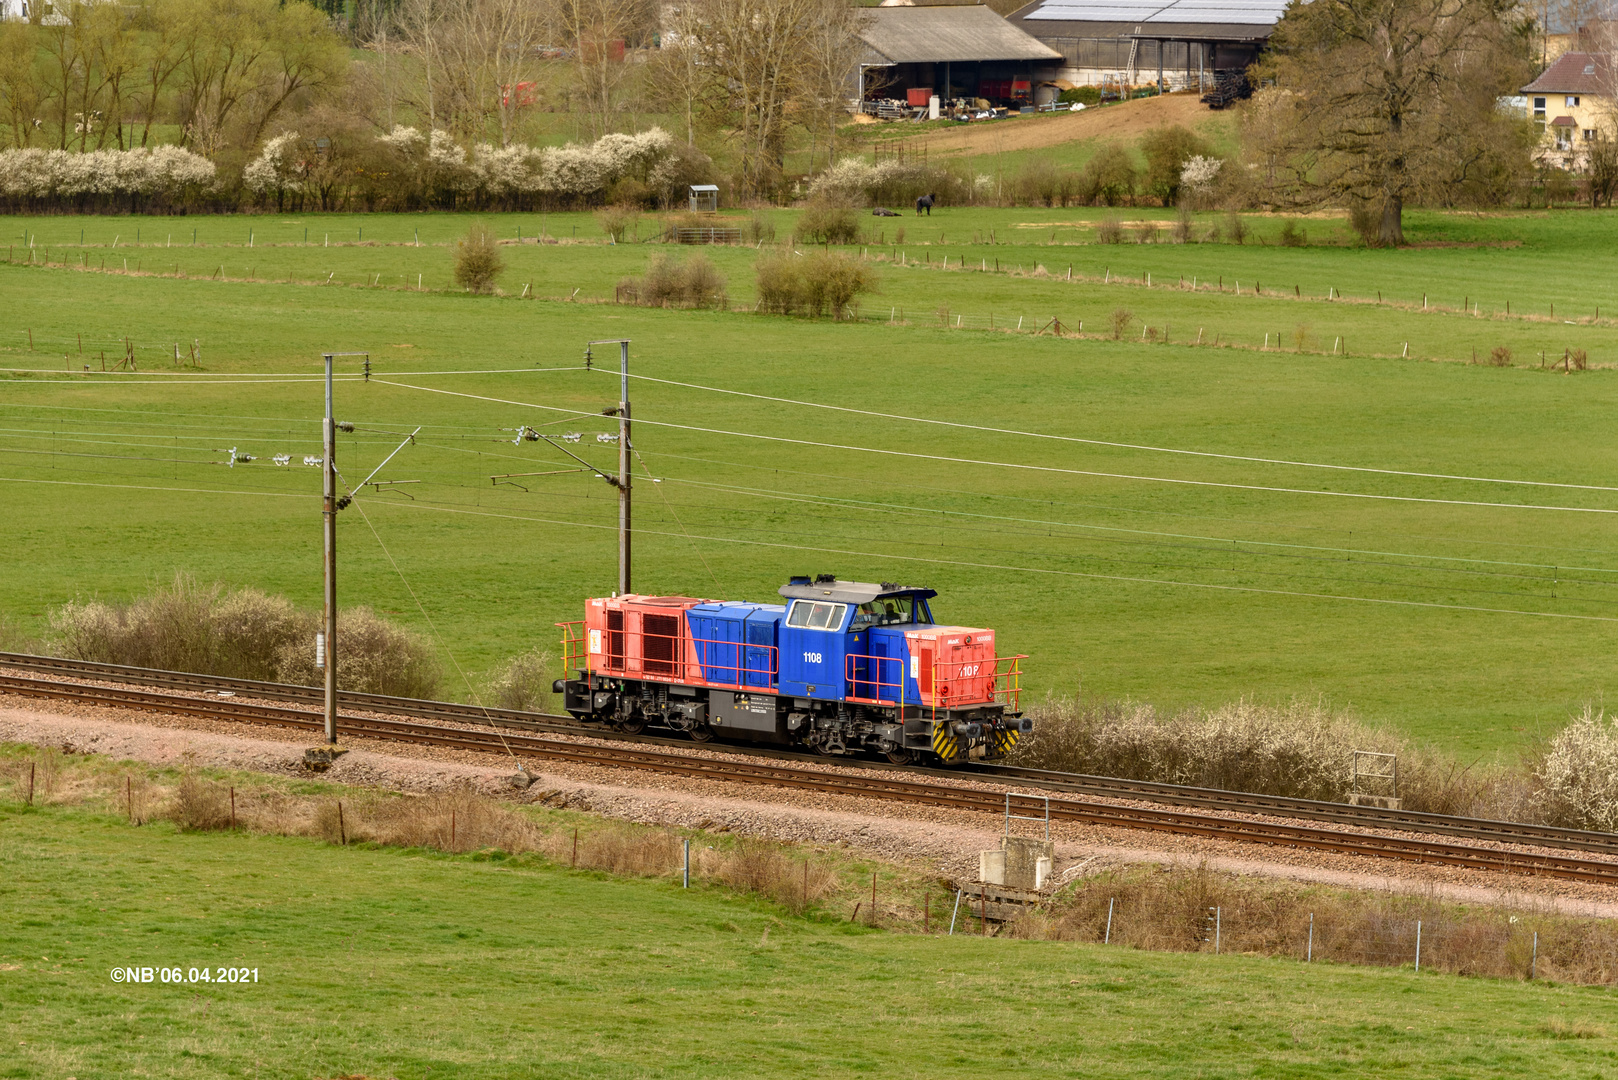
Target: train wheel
[(901, 756), (633, 726), (702, 733)]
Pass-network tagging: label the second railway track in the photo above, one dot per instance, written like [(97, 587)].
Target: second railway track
[(879, 784)]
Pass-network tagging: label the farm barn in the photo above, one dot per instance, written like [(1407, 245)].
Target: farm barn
[(961, 53), (1180, 44)]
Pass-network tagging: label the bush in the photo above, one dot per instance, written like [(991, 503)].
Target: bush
[(1121, 318), (1146, 232), (759, 229), (824, 283), (1042, 183), (522, 683), (1292, 235), (824, 223), (1365, 221), (617, 220), (1500, 356), (1235, 228), (1109, 177), (1167, 151), (1578, 774), (1183, 225), (1081, 95), (694, 283), (477, 260), (242, 634), (1109, 230)]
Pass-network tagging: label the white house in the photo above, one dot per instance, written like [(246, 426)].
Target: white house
[(14, 9)]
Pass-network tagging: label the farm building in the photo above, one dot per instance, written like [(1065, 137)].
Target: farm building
[(1180, 44), (956, 52), (13, 9)]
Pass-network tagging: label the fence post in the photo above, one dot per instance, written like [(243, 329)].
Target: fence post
[(1309, 956), (1108, 939), (1533, 960), (687, 873), (30, 770), (954, 912), (1418, 945), (1218, 912)]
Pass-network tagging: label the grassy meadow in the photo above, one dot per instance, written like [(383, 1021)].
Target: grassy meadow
[(406, 963), (1471, 614)]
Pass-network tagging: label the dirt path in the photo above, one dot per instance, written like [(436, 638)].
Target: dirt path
[(1126, 122)]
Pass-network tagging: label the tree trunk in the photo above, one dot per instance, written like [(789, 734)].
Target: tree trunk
[(1392, 233)]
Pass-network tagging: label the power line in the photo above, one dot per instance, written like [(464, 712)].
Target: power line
[(1024, 569), (950, 460), (150, 487), (1124, 445)]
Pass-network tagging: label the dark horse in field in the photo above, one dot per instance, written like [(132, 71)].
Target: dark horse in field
[(926, 203)]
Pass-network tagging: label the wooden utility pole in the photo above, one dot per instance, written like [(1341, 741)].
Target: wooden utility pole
[(623, 480), (329, 515)]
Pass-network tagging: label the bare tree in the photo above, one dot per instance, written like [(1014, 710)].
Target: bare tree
[(1396, 100)]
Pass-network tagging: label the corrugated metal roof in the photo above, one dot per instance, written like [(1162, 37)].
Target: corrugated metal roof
[(1255, 13), (929, 35), (1576, 73)]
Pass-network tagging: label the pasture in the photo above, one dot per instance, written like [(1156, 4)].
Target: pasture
[(389, 962), (1467, 612)]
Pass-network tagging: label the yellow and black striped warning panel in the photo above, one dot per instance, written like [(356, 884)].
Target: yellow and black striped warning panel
[(945, 744), (1001, 743)]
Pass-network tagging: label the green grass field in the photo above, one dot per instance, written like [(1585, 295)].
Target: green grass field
[(408, 964), (1119, 569)]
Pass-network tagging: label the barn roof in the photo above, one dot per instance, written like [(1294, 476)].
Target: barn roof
[(1576, 73), (958, 33), (1196, 20)]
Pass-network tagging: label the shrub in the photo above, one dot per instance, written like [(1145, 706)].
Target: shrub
[(824, 223), (522, 683), (758, 229), (1292, 235), (1183, 225), (200, 805), (1109, 177), (374, 656), (1146, 232), (1199, 177), (242, 634), (833, 281), (617, 220), (1109, 230), (1121, 318), (1500, 356), (1167, 150), (1042, 183), (1363, 218), (1578, 774), (1578, 359), (824, 283), (1083, 95), (1300, 336), (477, 260), (668, 282), (1235, 228)]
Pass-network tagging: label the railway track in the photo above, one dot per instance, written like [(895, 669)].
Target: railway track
[(879, 784)]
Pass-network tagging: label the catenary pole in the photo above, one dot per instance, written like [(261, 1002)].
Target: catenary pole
[(624, 470), (329, 512)]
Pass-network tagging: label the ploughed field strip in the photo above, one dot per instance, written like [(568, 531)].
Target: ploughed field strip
[(1510, 832), (881, 784)]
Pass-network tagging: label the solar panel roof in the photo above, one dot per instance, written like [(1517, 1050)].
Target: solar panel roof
[(1193, 12)]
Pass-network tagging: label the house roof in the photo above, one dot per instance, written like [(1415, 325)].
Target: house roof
[(1576, 73), (1195, 19), (927, 35), (1563, 121)]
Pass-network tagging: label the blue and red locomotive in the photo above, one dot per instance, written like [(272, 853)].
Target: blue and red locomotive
[(841, 666)]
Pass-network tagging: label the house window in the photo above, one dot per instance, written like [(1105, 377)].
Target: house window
[(1564, 138), (1589, 135), (1572, 101), (1539, 108)]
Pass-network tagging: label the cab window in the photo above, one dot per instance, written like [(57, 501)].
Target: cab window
[(892, 611), (816, 615)]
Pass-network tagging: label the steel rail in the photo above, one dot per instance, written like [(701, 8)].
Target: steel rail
[(1078, 783), (878, 785)]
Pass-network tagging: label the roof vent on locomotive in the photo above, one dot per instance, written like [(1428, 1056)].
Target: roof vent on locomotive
[(840, 667)]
